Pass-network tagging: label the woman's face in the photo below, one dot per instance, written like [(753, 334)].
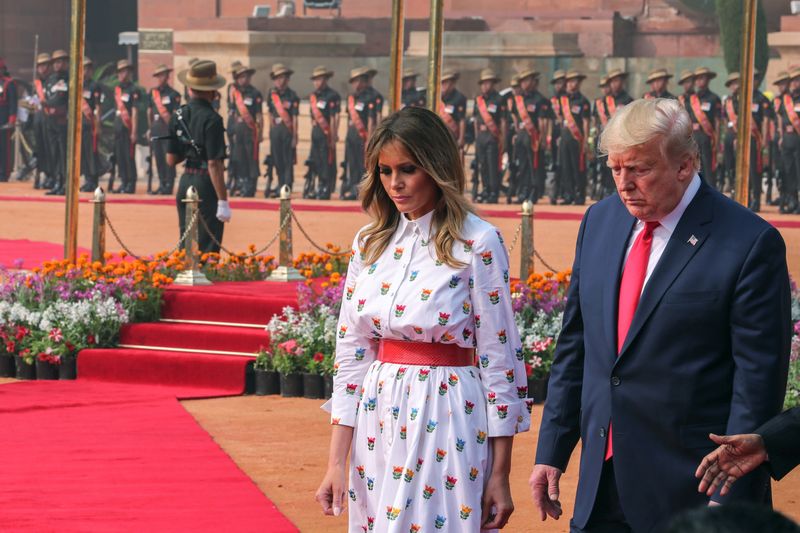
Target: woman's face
[(410, 188)]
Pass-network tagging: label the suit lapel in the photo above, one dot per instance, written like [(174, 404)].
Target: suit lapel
[(620, 231), (688, 237)]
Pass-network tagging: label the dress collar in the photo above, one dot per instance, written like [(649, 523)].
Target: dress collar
[(422, 226)]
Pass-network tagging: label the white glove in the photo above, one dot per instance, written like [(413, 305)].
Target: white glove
[(223, 211)]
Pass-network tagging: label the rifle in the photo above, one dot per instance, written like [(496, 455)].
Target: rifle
[(112, 172), (343, 177), (475, 178), (268, 173), (513, 179), (308, 186), (149, 162)]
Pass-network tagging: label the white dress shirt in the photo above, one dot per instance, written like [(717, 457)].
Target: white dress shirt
[(663, 232)]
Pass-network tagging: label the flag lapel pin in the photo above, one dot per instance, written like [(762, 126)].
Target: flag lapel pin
[(693, 240)]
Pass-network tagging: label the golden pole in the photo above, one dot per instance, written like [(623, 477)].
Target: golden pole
[(746, 88), (74, 121), (435, 54), (396, 51)]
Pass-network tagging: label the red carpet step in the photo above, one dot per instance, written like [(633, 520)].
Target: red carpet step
[(201, 337)]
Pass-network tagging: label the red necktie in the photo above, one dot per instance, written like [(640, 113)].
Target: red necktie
[(630, 289)]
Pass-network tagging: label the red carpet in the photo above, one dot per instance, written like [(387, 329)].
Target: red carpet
[(88, 456), (23, 253)]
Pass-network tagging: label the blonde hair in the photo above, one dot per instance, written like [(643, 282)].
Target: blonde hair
[(433, 149), (645, 119)]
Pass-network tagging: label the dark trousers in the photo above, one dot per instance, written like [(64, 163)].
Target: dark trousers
[(166, 173), (323, 161), (43, 149), (244, 156), (706, 149), (280, 142), (354, 155), (572, 178), (6, 154), (124, 153), (607, 515), (57, 139), (89, 157), (208, 210), (488, 153), (530, 170), (790, 157), (233, 175)]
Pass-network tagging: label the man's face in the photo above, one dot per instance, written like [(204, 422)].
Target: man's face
[(558, 86), (616, 84), (794, 85), (733, 87), (359, 84), (124, 75), (162, 78), (782, 86), (448, 85), (280, 82), (573, 85), (605, 89), (487, 86), (701, 82), (659, 85), (60, 65), (43, 70), (243, 80), (409, 83), (687, 84), (88, 71), (319, 82), (526, 84), (649, 185)]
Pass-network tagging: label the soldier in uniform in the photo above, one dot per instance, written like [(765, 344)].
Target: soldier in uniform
[(618, 96), (686, 82), (44, 156), (232, 184), (412, 95), (284, 106), (164, 100), (56, 102), (775, 167), (453, 107), (8, 119), (362, 116), (730, 109), (90, 129), (198, 138), (125, 124), (491, 125), (532, 115), (246, 109), (601, 186), (326, 106), (658, 80), (377, 98), (789, 142), (508, 94), (554, 134), (705, 110), (574, 145)]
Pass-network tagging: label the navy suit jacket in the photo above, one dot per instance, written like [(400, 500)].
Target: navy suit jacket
[(782, 440), (707, 351)]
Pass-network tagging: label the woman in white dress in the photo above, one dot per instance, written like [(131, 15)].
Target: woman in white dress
[(429, 382)]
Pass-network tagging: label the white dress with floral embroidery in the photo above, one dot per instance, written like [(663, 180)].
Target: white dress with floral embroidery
[(420, 450)]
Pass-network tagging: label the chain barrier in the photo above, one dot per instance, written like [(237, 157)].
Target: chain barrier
[(314, 244), (515, 239), (177, 247), (254, 254), (535, 251)]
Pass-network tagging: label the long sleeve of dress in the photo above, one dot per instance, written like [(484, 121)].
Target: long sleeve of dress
[(497, 339), (355, 349)]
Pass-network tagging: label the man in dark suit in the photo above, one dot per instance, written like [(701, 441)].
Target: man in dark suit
[(677, 325), (776, 443)]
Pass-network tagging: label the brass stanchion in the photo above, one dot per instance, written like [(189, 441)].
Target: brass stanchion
[(74, 128), (435, 54), (745, 102), (396, 55), (286, 270), (99, 226), (192, 275), (526, 251)]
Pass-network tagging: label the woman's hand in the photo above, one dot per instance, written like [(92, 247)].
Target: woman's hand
[(330, 493), (497, 506)]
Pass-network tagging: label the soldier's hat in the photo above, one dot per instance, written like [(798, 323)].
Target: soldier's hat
[(244, 69), (278, 69), (192, 61), (528, 73), (732, 77), (515, 80), (202, 76), (603, 81), (59, 54), (616, 73), (371, 72), (321, 72), (782, 77), (685, 75), (488, 74), (558, 75), (409, 73), (658, 74), (234, 66), (87, 61), (43, 59), (575, 75), (705, 71), (450, 74), (161, 69), (794, 73), (123, 64), (358, 72)]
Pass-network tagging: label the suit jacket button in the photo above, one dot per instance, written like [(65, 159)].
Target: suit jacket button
[(602, 433), (615, 381)]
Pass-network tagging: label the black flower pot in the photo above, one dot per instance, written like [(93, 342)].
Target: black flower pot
[(46, 370), (328, 382), (267, 382), (8, 368), (537, 389), (313, 386), (24, 370), (291, 385), (68, 369)]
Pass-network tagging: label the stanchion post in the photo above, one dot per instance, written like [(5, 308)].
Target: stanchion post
[(435, 54), (74, 122), (746, 87), (192, 275), (99, 226), (396, 55), (286, 270), (526, 235)]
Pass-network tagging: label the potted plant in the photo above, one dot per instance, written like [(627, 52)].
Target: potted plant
[(47, 364), (538, 370), (313, 384), (10, 336), (267, 380), (290, 361), (25, 363)]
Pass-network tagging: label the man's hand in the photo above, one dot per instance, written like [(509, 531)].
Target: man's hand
[(736, 456), (223, 211), (544, 489)]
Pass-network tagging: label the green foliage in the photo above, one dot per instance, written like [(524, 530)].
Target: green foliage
[(730, 14)]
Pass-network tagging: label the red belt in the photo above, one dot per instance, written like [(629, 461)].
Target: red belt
[(425, 353)]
